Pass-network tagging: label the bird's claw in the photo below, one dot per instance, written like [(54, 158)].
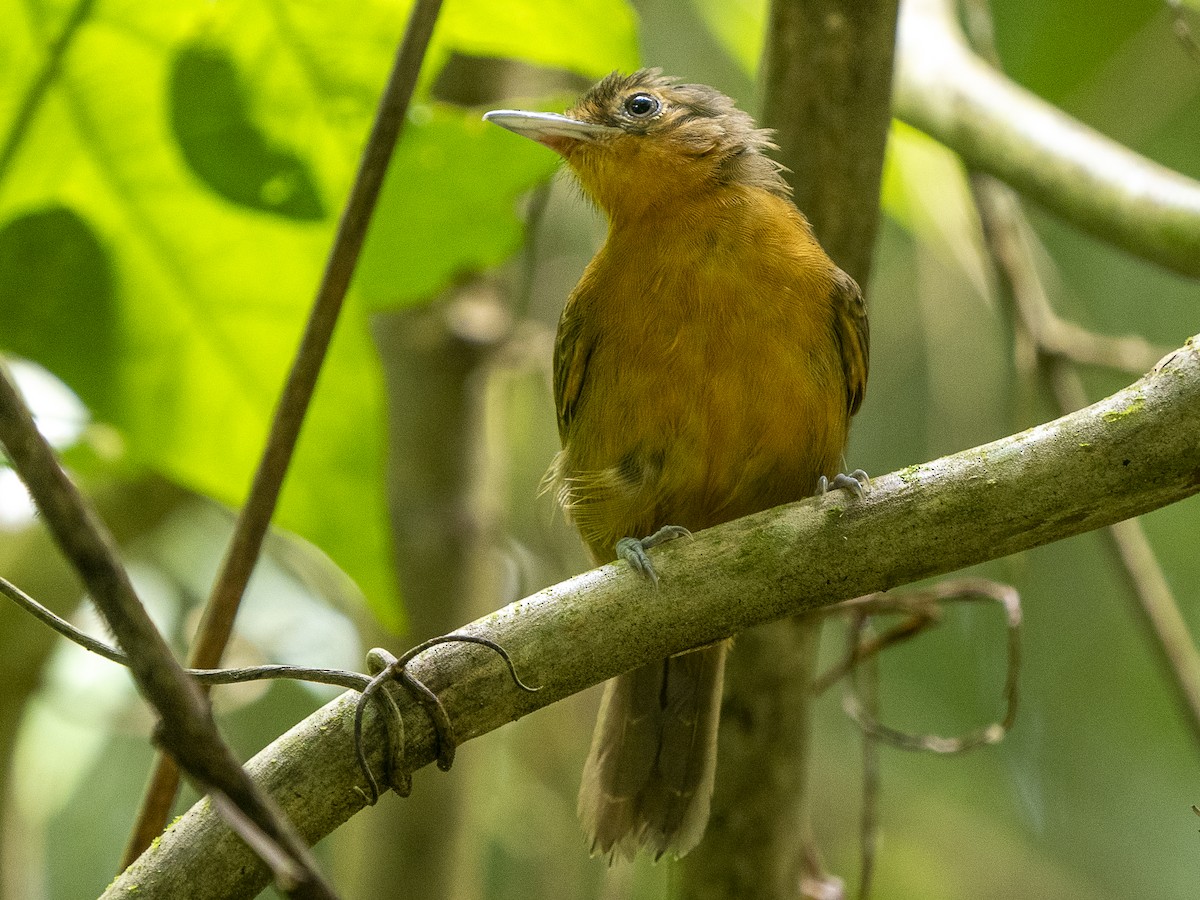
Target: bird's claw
[(633, 550), (857, 482)]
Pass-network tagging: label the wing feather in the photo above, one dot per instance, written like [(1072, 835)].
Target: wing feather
[(572, 352), (853, 335)]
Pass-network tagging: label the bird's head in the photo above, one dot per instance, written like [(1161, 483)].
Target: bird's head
[(642, 142)]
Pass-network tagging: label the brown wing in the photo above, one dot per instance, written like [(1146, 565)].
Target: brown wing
[(572, 351), (850, 326)]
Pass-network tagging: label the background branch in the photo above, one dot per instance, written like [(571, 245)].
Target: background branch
[(1005, 227), (1132, 452), (1057, 346), (997, 127)]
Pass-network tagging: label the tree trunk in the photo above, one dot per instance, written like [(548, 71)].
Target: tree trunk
[(827, 73)]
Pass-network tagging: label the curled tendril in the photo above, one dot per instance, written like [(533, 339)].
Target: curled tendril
[(389, 668), (922, 607)]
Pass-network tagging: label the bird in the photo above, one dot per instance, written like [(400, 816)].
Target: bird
[(706, 367)]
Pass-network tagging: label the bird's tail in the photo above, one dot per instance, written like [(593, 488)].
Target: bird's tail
[(648, 780)]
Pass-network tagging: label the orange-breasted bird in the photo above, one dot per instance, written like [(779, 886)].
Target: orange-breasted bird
[(706, 367)]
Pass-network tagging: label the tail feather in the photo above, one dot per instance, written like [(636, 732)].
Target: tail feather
[(648, 780)]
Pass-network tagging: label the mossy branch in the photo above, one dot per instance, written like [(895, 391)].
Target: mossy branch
[(1133, 452)]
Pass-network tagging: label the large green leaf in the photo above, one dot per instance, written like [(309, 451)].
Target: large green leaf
[(180, 189), (168, 200)]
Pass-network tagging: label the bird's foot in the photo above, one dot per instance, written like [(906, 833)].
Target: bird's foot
[(633, 550), (857, 482)]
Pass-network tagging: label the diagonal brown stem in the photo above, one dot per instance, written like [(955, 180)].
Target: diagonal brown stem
[(185, 723), (1139, 563), (216, 624)]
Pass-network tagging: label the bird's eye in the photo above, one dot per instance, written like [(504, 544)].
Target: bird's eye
[(642, 106)]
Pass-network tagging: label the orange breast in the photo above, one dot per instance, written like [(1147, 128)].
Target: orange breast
[(711, 385)]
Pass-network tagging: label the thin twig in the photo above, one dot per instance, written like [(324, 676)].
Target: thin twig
[(59, 624), (1162, 613), (1014, 244), (920, 607), (216, 624), (186, 727), (918, 621), (955, 590), (334, 677), (288, 876), (872, 784)]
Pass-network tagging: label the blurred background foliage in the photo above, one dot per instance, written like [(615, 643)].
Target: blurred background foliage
[(170, 177)]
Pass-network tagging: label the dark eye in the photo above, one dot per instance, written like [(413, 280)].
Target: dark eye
[(642, 106)]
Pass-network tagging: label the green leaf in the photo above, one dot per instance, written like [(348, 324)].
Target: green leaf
[(167, 203), (592, 37), (453, 175), (150, 257)]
